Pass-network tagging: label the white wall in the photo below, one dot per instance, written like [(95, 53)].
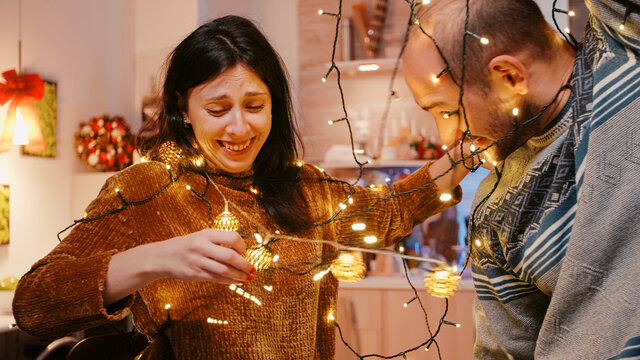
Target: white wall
[(276, 18), (87, 47)]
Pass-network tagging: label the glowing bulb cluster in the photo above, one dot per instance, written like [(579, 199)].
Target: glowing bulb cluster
[(218, 322)]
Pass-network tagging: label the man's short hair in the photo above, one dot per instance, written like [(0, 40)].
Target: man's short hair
[(511, 26)]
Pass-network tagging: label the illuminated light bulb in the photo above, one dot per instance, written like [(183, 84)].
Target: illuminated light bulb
[(117, 190), (168, 167), (368, 162), (368, 67), (343, 206), (478, 243), (321, 274), (198, 162), (233, 287), (567, 30), (350, 200), (371, 239), (516, 111), (472, 148), (445, 147), (435, 79), (495, 163), (321, 169), (330, 122), (254, 190), (276, 258), (144, 159), (320, 12), (358, 151), (167, 306), (371, 186), (446, 116), (260, 257), (571, 13), (258, 238), (300, 163), (441, 282), (278, 232), (268, 287), (348, 267), (84, 216), (401, 249), (358, 226), (621, 27), (188, 187), (324, 79), (426, 2), (330, 317), (226, 221), (444, 197), (484, 41), (451, 323), (387, 180), (20, 132), (405, 305)]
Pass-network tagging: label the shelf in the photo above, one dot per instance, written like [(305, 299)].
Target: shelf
[(381, 164)]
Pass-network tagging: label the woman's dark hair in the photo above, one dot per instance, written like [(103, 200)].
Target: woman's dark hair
[(204, 54)]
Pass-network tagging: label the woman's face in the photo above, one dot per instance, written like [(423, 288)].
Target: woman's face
[(231, 118)]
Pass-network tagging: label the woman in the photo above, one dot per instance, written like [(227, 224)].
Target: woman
[(147, 246)]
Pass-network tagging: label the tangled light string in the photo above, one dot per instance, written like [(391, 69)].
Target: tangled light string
[(443, 280)]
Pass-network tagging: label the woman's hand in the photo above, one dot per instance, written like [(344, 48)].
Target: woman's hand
[(206, 255)]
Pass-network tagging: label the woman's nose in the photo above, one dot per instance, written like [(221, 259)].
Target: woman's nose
[(238, 124)]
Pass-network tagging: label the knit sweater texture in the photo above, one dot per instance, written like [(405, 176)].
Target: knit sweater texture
[(62, 293), (557, 242)]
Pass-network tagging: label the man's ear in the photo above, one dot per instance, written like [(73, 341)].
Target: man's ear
[(508, 73)]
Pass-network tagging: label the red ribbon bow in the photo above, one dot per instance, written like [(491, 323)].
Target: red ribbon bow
[(21, 90)]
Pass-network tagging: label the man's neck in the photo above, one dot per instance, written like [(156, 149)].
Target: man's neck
[(554, 76)]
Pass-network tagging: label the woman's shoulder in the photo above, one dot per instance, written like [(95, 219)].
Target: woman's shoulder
[(142, 178)]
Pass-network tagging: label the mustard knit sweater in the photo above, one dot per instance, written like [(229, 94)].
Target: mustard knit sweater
[(62, 293)]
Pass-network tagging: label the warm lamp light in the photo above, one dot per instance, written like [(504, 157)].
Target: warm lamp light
[(22, 126)]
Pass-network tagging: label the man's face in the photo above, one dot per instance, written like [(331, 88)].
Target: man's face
[(489, 116)]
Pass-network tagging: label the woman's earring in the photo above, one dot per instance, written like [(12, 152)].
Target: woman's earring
[(186, 123)]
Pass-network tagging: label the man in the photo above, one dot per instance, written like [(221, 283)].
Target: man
[(556, 235)]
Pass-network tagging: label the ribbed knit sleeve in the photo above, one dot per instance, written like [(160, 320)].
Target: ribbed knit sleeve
[(387, 212), (62, 293)]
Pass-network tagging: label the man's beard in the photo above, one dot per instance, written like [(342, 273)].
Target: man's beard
[(520, 129)]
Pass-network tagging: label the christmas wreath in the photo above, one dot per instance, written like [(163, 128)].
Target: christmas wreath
[(105, 143)]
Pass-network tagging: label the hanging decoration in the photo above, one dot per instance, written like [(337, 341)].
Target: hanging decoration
[(105, 143), (260, 257), (22, 125)]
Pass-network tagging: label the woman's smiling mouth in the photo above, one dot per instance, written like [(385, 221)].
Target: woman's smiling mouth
[(236, 147)]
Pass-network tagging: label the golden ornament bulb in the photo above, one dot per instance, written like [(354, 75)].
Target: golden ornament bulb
[(441, 282), (260, 257), (226, 221), (170, 153), (348, 267)]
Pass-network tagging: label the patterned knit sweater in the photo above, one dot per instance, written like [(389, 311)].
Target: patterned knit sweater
[(62, 293), (557, 242)]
